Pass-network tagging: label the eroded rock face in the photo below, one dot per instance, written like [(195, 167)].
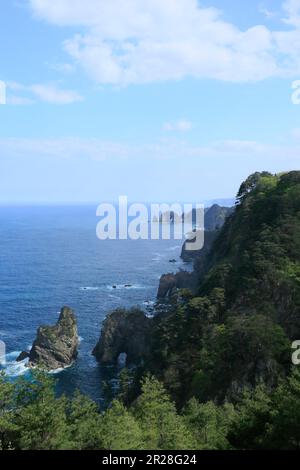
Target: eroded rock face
[(124, 331), (56, 346), (170, 283), (215, 217), (24, 355), (193, 255)]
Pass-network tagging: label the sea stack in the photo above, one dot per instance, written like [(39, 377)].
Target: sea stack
[(56, 346), (124, 331)]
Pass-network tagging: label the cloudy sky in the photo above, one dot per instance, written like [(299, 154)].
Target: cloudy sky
[(159, 100)]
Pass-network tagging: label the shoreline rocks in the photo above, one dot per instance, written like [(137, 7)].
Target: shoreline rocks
[(170, 283), (56, 347), (24, 355), (124, 332)]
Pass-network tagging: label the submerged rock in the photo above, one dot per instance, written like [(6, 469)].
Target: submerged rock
[(56, 346), (124, 332)]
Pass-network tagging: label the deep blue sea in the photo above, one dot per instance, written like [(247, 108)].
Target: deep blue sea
[(50, 257)]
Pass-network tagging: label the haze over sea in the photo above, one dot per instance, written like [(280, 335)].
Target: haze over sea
[(50, 257)]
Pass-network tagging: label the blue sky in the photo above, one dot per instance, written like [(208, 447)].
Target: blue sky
[(159, 101)]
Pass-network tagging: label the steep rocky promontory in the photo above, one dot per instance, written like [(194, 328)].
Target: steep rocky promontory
[(235, 331), (124, 332), (56, 347), (192, 255), (215, 217)]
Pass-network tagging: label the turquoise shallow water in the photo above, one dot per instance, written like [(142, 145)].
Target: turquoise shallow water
[(50, 257)]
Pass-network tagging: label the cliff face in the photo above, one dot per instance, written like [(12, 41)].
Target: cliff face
[(236, 330), (124, 332), (215, 217), (195, 255), (56, 346), (170, 283), (245, 315)]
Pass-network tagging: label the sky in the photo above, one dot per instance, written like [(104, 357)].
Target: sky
[(173, 100)]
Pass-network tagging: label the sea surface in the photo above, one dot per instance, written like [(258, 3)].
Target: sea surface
[(50, 257)]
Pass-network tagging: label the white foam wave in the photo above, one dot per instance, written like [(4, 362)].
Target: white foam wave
[(11, 367), (149, 303), (157, 257), (58, 371), (12, 356)]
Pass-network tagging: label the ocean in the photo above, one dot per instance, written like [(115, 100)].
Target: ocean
[(50, 257)]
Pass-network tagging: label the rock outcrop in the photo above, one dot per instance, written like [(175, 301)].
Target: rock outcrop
[(124, 331), (215, 217), (56, 346), (170, 283), (24, 355), (192, 255)]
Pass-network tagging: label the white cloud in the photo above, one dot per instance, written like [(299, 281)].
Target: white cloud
[(19, 100), (292, 10), (51, 94), (48, 93), (266, 12), (295, 134), (71, 148), (140, 41), (74, 149), (73, 169), (63, 68), (182, 125)]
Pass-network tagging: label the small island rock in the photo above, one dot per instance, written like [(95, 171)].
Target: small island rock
[(56, 346)]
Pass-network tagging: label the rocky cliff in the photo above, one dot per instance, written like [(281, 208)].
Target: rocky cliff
[(236, 331), (124, 332), (170, 283), (214, 219), (56, 346), (193, 255)]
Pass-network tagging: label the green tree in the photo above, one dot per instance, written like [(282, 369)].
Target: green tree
[(8, 429), (162, 427), (40, 417), (84, 422), (209, 423), (119, 429)]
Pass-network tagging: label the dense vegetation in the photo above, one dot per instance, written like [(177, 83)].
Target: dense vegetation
[(32, 417), (220, 359), (237, 331)]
